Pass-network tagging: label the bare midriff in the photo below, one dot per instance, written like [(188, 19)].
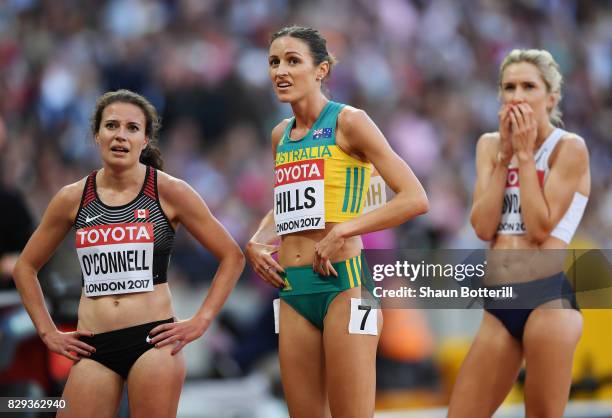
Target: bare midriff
[(298, 248), (517, 259), (111, 312)]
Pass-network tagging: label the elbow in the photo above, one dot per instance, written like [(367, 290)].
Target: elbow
[(16, 270), (417, 207), (233, 256), (539, 235), (412, 208), (238, 258), (538, 229), (242, 261), (483, 232), (422, 205), (21, 270), (235, 262)]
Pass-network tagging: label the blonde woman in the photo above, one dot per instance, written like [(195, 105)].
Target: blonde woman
[(532, 186)]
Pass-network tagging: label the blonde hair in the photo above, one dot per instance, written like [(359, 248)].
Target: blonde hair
[(549, 70)]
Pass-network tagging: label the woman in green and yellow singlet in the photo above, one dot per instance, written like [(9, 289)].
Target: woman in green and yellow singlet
[(324, 156)]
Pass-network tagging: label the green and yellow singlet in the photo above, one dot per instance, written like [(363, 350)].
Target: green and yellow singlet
[(314, 180)]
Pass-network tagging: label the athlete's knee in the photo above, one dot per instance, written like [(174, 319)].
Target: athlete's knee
[(544, 408)]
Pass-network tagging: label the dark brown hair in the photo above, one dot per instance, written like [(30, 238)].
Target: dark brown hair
[(315, 41), (151, 155)]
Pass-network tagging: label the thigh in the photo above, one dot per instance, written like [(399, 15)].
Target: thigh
[(350, 360), (302, 364), (551, 336), (91, 390), (155, 382), (487, 373)]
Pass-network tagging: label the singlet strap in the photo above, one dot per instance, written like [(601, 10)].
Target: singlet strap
[(287, 131), (546, 149), (89, 191), (150, 185), (331, 112)]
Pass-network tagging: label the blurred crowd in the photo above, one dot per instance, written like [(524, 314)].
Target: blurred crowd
[(424, 70)]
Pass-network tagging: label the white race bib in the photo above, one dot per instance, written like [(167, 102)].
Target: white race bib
[(299, 196), (276, 307), (116, 258), (511, 221), (364, 317)]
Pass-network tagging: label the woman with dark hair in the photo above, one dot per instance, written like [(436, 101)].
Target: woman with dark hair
[(532, 187), (323, 162), (125, 216)]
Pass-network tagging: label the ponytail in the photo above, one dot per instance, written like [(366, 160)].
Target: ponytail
[(151, 155)]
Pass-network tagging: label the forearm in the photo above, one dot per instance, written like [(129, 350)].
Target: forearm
[(487, 207), (266, 232), (403, 207), (534, 208), (33, 299), (228, 273)]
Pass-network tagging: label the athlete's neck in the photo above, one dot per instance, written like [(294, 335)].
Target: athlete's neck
[(544, 132), (121, 179), (307, 110)]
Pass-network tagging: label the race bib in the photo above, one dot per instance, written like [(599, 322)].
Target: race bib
[(511, 219), (276, 307), (376, 195), (116, 258), (299, 196), (364, 317)]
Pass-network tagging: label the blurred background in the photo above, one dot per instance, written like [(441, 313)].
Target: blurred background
[(426, 73)]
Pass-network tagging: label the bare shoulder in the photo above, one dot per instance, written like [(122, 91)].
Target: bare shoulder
[(65, 204), (358, 135), (488, 144), (171, 188), (573, 143), (487, 148), (351, 117), (488, 140), (70, 195), (572, 149)]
